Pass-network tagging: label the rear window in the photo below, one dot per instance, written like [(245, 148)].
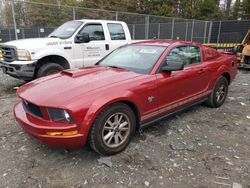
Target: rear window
[(116, 31)]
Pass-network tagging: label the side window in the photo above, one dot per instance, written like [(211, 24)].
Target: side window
[(177, 54), (95, 31), (116, 31), (194, 54), (186, 54)]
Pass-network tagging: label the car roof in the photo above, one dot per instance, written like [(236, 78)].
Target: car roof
[(165, 43)]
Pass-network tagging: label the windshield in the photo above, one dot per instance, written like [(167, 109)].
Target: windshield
[(66, 30), (139, 59)]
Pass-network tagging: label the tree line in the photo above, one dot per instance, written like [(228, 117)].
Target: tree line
[(30, 14)]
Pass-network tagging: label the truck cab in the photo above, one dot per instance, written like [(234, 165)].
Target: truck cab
[(74, 44)]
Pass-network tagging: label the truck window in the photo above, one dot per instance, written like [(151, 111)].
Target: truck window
[(116, 31), (95, 31)]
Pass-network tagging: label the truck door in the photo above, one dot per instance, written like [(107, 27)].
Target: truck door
[(95, 49), (117, 35)]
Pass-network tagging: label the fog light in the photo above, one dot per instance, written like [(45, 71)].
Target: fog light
[(68, 133)]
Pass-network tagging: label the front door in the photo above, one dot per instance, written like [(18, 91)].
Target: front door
[(180, 87), (91, 52)]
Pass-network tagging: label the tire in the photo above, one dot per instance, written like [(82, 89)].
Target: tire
[(105, 137), (219, 93), (247, 59), (48, 69)]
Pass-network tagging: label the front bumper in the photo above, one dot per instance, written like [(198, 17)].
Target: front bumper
[(24, 70), (38, 128)]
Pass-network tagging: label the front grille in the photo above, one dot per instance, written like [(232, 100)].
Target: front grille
[(32, 109), (9, 53)]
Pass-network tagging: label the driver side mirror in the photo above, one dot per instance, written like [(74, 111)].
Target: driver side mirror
[(82, 38), (170, 65)]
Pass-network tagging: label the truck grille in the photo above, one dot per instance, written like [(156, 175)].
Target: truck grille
[(9, 53), (32, 109)]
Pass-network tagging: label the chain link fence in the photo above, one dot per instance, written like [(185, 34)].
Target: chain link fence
[(29, 20), (229, 31)]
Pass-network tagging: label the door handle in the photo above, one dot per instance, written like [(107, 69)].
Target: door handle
[(67, 48), (107, 46), (201, 71)]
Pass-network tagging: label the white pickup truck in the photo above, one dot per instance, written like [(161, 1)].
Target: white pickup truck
[(74, 44)]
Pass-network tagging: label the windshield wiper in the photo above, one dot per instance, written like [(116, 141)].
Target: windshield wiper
[(116, 67), (53, 36), (113, 66)]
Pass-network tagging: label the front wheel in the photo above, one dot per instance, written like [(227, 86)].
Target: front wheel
[(219, 93), (48, 69), (112, 129)]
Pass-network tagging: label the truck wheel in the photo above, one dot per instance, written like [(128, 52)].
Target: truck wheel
[(112, 130), (49, 68), (219, 93)]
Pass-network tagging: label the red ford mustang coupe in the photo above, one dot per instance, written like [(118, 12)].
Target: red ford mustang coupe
[(132, 87)]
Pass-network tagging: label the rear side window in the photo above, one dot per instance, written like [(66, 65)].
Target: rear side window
[(95, 31), (210, 53), (116, 31)]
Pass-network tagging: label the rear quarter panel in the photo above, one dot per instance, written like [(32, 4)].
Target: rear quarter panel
[(223, 64)]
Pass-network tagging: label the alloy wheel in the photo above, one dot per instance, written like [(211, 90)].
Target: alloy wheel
[(116, 130), (220, 93)]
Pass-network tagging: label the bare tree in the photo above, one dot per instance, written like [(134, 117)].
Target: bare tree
[(228, 7)]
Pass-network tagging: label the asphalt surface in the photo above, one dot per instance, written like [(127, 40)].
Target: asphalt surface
[(202, 147)]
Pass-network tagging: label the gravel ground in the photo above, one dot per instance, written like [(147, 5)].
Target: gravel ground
[(202, 147)]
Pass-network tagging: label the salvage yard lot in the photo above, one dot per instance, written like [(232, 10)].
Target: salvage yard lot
[(202, 147)]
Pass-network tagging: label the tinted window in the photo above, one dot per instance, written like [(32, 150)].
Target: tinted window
[(140, 59), (116, 31), (186, 54), (95, 31)]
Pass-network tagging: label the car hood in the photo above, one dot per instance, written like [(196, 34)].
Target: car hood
[(56, 90), (28, 44)]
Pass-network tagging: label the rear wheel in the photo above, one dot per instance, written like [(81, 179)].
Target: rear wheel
[(219, 93), (49, 68), (112, 129)]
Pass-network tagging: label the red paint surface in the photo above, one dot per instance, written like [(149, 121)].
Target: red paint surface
[(85, 92)]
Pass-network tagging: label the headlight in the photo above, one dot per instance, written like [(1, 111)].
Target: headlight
[(23, 55), (61, 115)]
